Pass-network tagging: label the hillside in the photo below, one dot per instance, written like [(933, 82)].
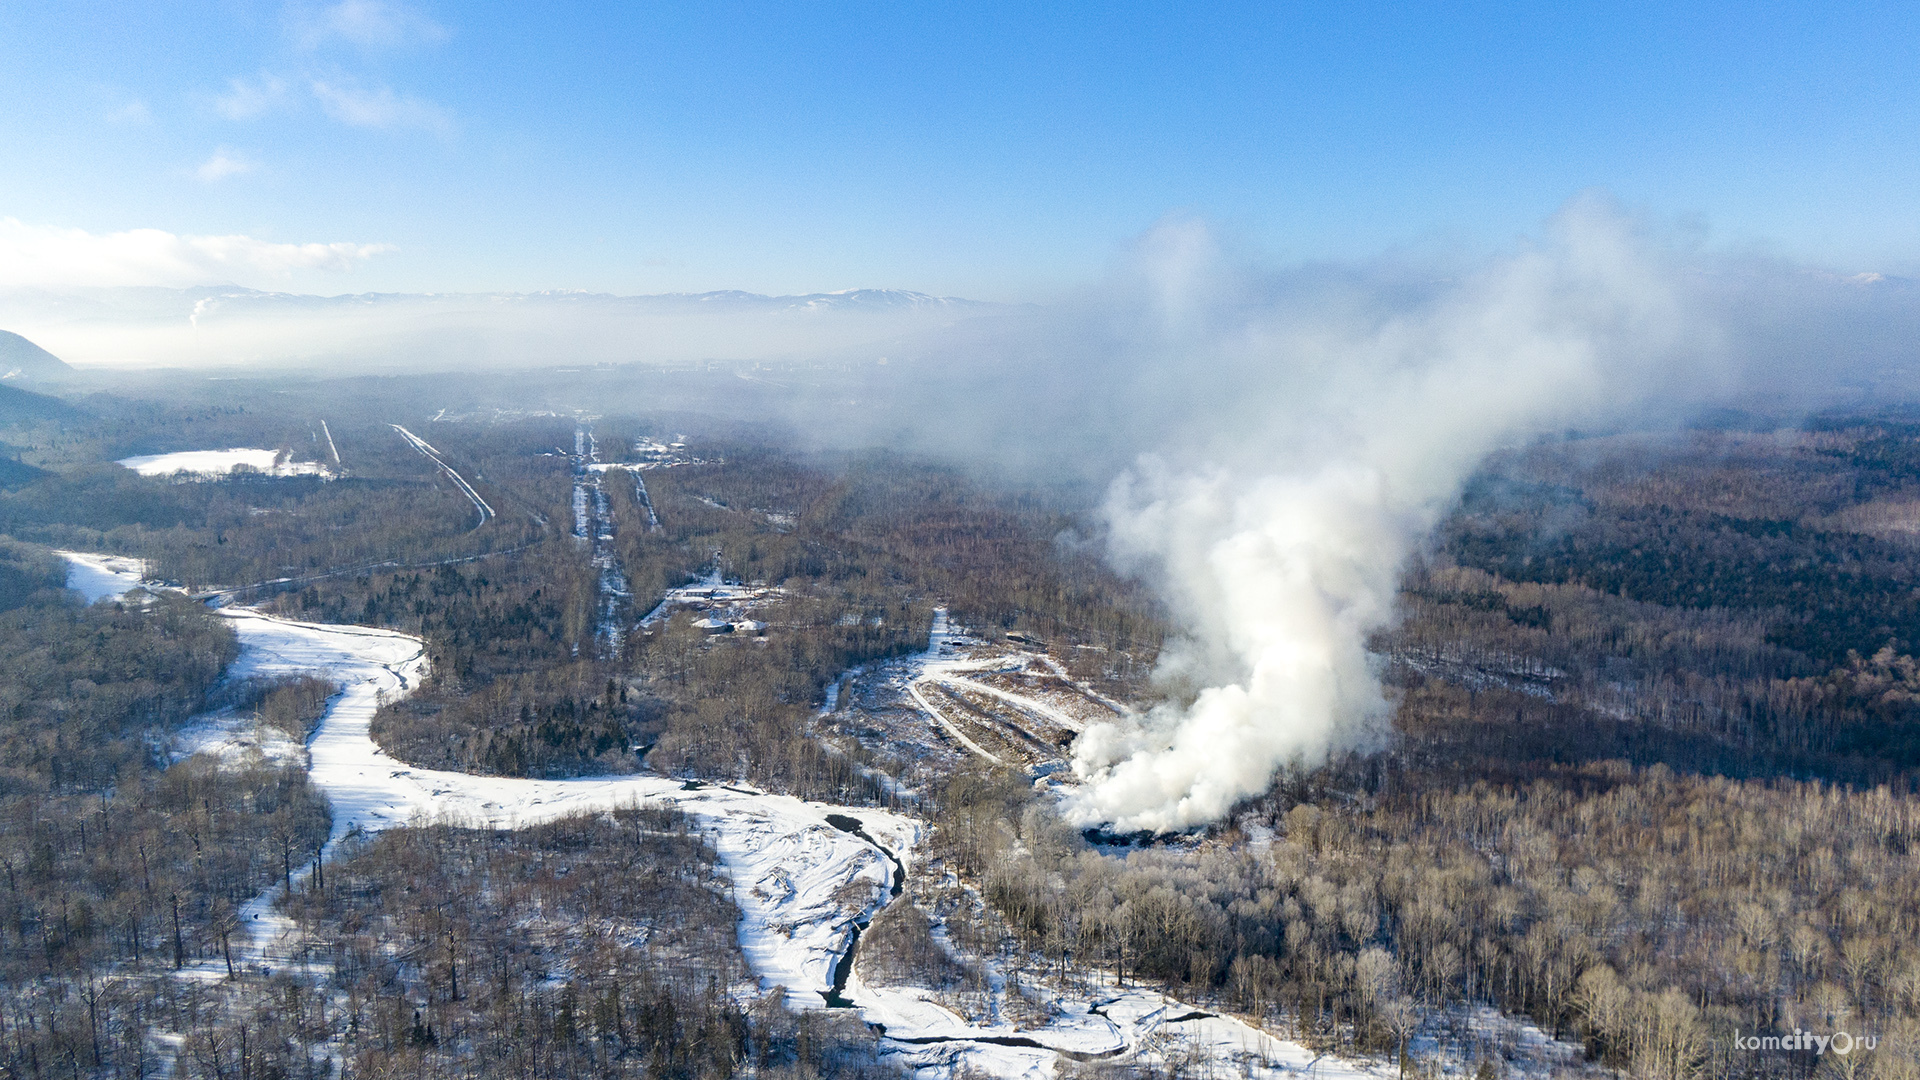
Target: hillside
[(21, 359)]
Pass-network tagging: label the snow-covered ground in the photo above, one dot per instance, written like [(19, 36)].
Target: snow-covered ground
[(236, 738), (1128, 1026), (1009, 706), (804, 880), (728, 603), (654, 454), (219, 463), (633, 469), (939, 664), (99, 577), (789, 865)]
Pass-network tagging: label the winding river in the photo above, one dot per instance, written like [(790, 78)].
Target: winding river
[(789, 862)]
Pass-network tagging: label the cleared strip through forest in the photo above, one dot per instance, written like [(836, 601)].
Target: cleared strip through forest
[(428, 452), (332, 449), (593, 525)]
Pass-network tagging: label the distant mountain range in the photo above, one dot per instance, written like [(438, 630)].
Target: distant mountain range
[(230, 326), (205, 301)]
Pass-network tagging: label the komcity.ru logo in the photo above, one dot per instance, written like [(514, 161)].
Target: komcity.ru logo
[(1839, 1042)]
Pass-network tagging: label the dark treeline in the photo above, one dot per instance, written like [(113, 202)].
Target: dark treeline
[(86, 687), (1730, 524), (1701, 690), (1847, 592), (1831, 588), (549, 722)]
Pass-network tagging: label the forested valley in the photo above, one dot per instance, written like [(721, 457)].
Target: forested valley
[(1654, 782)]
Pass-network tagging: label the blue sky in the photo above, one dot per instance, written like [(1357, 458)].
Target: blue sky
[(996, 151)]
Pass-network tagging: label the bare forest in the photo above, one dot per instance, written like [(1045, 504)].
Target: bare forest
[(1654, 783)]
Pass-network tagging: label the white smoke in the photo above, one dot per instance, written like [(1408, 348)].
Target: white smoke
[(1281, 557)]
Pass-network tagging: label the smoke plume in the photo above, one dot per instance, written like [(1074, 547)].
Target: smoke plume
[(1352, 433)]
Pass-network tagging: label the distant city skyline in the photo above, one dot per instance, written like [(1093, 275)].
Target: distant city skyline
[(998, 152)]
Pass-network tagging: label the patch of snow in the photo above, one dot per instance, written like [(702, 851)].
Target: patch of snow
[(236, 738), (1136, 1026), (832, 703), (580, 513), (102, 577), (943, 662), (216, 464), (653, 454)]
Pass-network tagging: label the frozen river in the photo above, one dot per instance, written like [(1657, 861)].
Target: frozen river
[(803, 884)]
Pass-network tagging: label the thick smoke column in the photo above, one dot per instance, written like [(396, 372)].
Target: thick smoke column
[(1283, 556)]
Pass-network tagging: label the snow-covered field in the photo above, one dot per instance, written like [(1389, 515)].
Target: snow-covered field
[(219, 463), (802, 878), (98, 577)]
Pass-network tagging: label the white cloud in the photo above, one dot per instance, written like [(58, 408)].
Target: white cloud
[(48, 256), (368, 24), (224, 163), (133, 112), (380, 108), (342, 97), (245, 100)]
